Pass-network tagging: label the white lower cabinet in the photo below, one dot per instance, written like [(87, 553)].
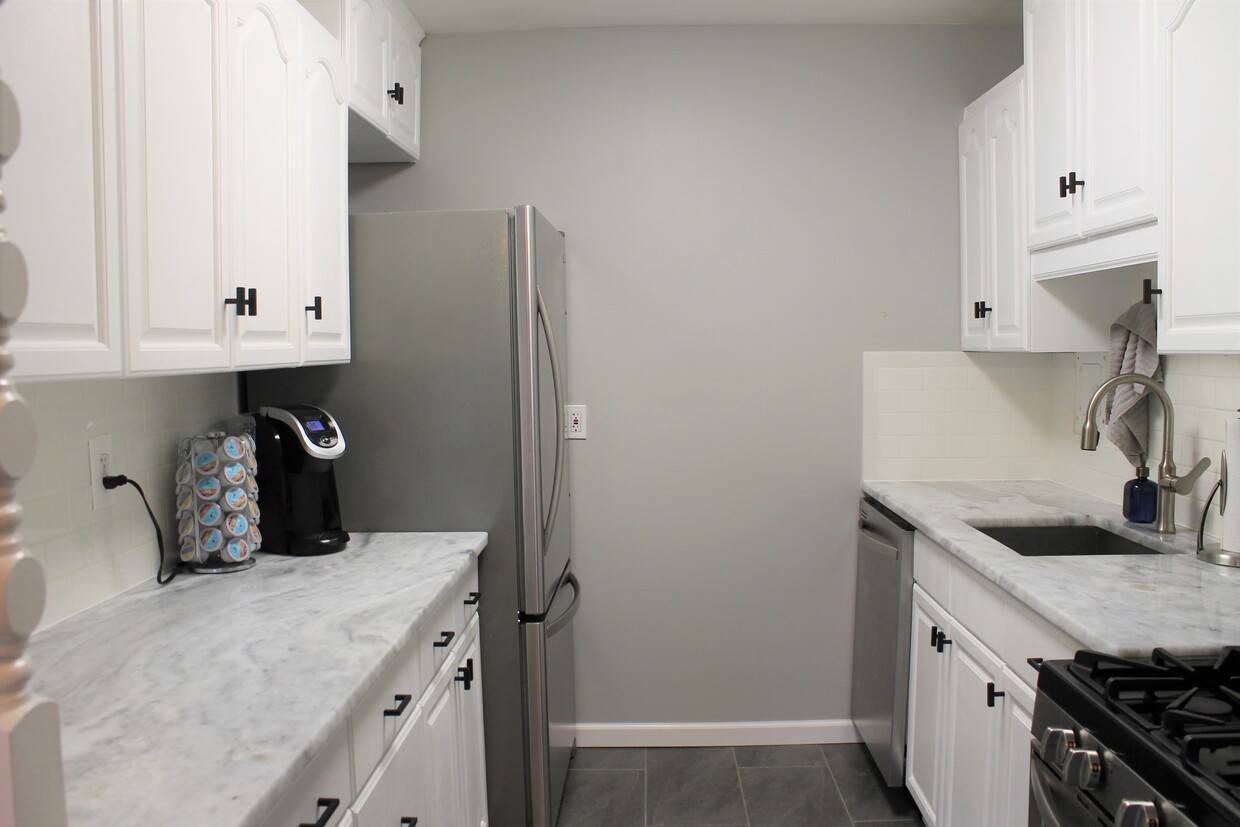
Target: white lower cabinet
[(469, 731), (971, 694), (397, 794)]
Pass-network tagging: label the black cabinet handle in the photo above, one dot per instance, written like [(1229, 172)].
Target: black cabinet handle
[(934, 636), (332, 805), (317, 307), (980, 310), (408, 821), (402, 701), (1063, 186), (398, 94), (246, 301), (444, 639), (943, 641), (465, 674), (473, 598), (991, 694), (1068, 184)]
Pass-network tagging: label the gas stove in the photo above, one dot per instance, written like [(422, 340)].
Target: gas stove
[(1149, 742)]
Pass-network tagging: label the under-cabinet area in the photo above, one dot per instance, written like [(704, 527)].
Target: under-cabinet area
[(359, 705)]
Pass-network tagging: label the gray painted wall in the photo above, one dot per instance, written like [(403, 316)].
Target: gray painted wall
[(747, 210)]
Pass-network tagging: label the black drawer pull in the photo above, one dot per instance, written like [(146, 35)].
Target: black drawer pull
[(317, 307), (245, 301), (934, 636), (397, 94), (473, 598), (465, 674), (991, 694), (402, 701), (943, 641), (408, 821), (332, 805), (445, 638)]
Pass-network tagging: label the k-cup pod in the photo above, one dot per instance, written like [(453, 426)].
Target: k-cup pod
[(251, 486), (208, 488), (210, 514), (211, 540), (250, 462), (256, 538), (235, 550), (254, 514), (187, 549), (185, 526), (235, 499), (208, 462), (248, 441), (232, 448), (234, 473), (236, 525), (185, 473), (185, 498)]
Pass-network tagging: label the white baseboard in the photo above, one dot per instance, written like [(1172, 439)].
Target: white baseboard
[(732, 734)]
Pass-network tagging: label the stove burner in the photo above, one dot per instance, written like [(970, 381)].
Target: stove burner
[(1204, 705)]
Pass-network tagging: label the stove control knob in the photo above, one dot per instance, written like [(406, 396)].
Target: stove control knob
[(1056, 743), (1082, 768), (1136, 814)]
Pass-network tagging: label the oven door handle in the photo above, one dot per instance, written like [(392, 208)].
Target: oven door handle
[(1040, 780)]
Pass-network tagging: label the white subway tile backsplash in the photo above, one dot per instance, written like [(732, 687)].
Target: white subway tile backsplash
[(88, 555)]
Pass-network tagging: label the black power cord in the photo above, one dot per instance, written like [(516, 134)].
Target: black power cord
[(116, 482)]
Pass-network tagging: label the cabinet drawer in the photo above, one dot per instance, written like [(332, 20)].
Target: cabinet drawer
[(442, 634), (397, 790), (326, 779), (385, 709)]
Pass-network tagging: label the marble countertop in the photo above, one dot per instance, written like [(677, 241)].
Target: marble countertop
[(1124, 605), (200, 702)]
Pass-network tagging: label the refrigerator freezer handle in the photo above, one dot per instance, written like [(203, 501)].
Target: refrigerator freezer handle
[(557, 382), (563, 620)]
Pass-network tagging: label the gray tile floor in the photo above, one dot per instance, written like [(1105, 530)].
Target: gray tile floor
[(833, 785)]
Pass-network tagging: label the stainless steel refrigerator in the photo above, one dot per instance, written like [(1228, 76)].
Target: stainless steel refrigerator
[(453, 409)]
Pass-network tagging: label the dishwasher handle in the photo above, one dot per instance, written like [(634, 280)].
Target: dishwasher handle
[(876, 543)]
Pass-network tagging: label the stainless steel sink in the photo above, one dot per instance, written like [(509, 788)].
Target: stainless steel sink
[(1062, 540)]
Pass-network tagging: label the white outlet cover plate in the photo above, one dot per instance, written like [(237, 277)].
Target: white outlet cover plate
[(574, 421), (100, 448)]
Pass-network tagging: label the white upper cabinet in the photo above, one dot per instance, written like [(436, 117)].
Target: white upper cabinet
[(1199, 310), (264, 111), (323, 204), (60, 186), (173, 135), (1093, 132), (382, 47)]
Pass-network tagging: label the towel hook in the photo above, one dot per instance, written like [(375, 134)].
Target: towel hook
[(1148, 290)]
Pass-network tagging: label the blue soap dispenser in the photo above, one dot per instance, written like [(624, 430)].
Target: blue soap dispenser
[(1141, 496)]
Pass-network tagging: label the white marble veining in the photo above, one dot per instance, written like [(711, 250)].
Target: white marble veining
[(1125, 605), (199, 703)]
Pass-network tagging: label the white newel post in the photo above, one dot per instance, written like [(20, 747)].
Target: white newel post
[(32, 788)]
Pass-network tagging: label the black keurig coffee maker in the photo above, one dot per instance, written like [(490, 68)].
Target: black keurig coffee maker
[(296, 446)]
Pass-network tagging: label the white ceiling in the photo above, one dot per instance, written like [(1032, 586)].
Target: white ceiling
[(439, 16)]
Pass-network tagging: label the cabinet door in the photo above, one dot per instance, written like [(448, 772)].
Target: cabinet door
[(1017, 739), (926, 696), (974, 732), (1051, 49), (367, 50), (469, 731), (1118, 114), (323, 205), (1200, 306), (445, 804), (1007, 263), (60, 184), (973, 280), (264, 111), (397, 790), (175, 187), (406, 117)]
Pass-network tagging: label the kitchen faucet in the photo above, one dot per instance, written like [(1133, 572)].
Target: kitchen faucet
[(1168, 483)]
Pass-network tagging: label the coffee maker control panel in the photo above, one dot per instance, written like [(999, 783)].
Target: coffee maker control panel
[(315, 428)]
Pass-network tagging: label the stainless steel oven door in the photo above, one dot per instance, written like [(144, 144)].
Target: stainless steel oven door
[(1055, 804)]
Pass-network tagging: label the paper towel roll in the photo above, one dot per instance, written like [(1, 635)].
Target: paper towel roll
[(1231, 508)]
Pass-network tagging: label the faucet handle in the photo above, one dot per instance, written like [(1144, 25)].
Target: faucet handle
[(1184, 484)]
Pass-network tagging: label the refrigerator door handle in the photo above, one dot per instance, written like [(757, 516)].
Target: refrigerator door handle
[(557, 383), (563, 620)]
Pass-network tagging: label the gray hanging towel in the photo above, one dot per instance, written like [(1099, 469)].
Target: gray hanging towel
[(1134, 349)]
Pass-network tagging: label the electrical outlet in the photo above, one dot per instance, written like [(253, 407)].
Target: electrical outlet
[(574, 421), (101, 465)]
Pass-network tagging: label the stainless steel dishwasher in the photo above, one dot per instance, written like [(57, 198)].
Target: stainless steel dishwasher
[(881, 629)]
